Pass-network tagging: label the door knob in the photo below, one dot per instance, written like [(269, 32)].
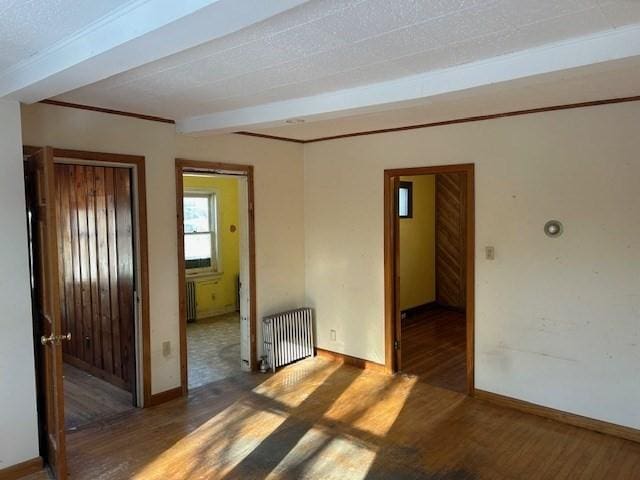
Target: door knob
[(54, 338)]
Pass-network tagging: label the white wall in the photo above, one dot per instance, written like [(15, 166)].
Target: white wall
[(278, 210), (557, 320), (19, 438)]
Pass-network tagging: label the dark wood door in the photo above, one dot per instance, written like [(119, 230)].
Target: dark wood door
[(96, 270), (451, 239), (45, 242)]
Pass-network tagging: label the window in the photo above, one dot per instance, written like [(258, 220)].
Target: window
[(405, 200), (200, 232)]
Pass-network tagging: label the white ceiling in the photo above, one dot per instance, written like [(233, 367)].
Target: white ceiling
[(310, 48), (329, 45), (29, 26), (604, 81), (136, 33)]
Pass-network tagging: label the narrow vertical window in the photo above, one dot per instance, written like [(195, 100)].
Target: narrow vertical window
[(405, 200)]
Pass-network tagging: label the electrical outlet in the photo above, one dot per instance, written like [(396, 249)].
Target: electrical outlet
[(333, 335), (490, 253), (166, 348)]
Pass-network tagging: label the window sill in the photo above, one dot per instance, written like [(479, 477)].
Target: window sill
[(204, 275)]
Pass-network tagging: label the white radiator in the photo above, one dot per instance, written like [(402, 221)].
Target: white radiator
[(192, 311), (288, 337)]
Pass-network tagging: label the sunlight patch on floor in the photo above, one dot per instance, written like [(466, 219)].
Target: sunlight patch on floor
[(217, 445), (381, 403), (294, 413), (319, 454), (222, 443), (294, 384)]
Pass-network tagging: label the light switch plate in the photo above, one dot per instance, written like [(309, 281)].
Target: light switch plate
[(166, 348)]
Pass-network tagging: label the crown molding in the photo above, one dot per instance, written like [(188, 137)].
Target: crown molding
[(79, 106), (455, 121)]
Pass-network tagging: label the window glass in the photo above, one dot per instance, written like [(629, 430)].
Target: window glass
[(197, 246), (403, 202), (200, 241), (197, 215)]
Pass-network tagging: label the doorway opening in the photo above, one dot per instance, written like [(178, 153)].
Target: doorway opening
[(87, 242), (94, 207), (216, 271), (429, 290)]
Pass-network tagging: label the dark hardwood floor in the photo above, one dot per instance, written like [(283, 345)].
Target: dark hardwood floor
[(88, 399), (434, 348), (319, 419)]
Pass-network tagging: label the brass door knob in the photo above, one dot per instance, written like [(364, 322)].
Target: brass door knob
[(54, 338)]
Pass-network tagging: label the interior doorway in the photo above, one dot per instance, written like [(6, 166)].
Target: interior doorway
[(94, 208), (87, 243), (216, 271), (429, 253)]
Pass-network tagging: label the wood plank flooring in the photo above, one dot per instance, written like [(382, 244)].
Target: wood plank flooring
[(434, 348), (88, 399), (318, 419)]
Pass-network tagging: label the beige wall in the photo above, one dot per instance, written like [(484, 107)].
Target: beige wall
[(278, 209), (557, 320), (418, 245), (18, 427)]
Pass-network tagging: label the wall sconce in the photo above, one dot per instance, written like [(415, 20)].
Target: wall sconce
[(553, 228)]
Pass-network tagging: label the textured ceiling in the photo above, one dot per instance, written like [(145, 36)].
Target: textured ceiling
[(610, 80), (328, 45), (29, 26)]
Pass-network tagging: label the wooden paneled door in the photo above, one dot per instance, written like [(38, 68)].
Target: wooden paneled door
[(451, 239), (45, 241), (96, 270)]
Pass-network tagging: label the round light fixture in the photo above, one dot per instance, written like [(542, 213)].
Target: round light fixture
[(553, 228)]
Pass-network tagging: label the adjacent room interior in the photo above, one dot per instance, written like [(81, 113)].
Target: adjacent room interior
[(96, 255), (432, 251), (319, 239), (212, 261)]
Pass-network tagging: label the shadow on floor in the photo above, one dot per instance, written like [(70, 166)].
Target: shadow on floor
[(321, 420)]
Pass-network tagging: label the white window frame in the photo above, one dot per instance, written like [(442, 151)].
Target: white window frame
[(214, 229)]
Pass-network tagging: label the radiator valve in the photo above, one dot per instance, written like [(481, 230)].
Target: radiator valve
[(264, 365)]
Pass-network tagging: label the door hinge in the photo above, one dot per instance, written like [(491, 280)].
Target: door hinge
[(396, 345)]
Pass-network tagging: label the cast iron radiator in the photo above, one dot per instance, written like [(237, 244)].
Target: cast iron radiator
[(191, 301), (288, 336)]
